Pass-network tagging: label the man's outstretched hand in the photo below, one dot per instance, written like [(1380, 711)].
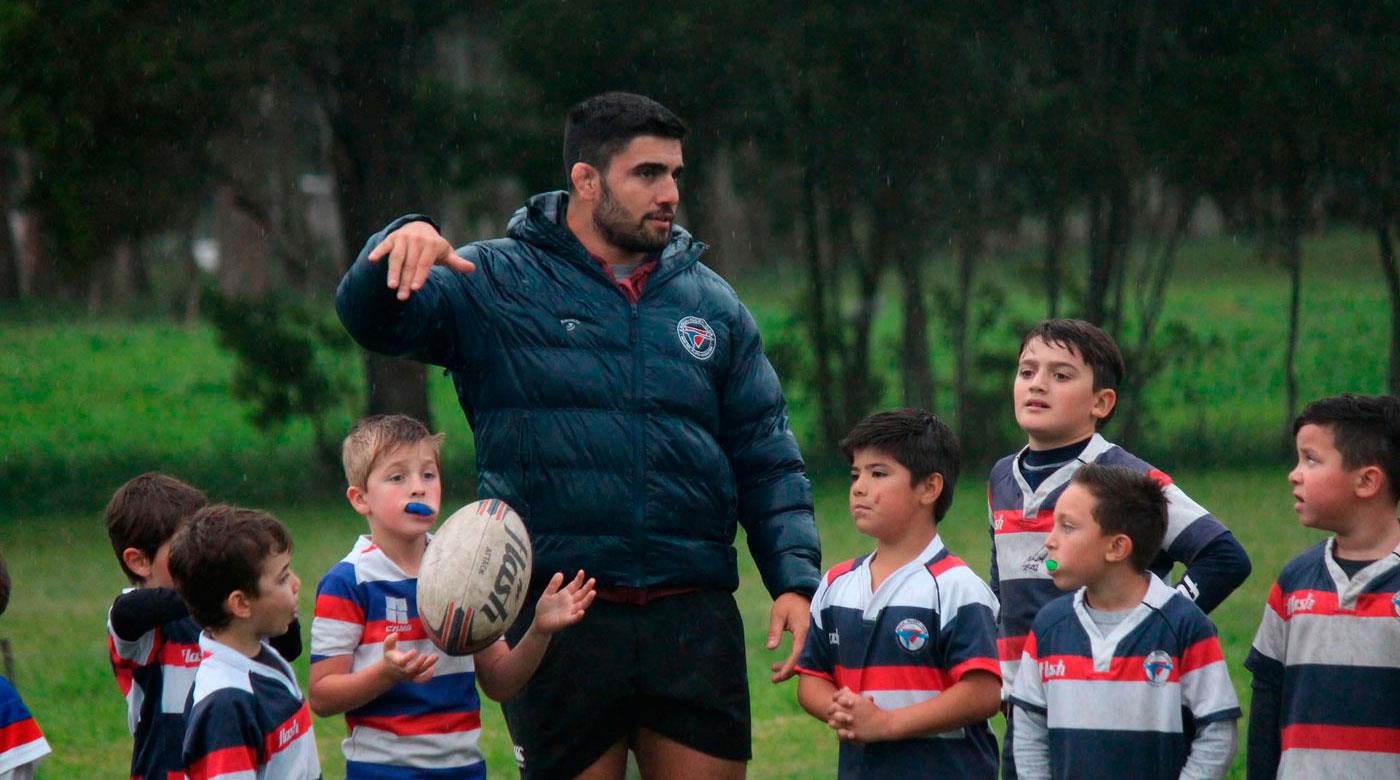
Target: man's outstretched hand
[(791, 613), (413, 250)]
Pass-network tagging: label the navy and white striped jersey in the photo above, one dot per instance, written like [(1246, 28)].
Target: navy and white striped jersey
[(155, 673), (1331, 644), (247, 719), (22, 744), (413, 730), (1114, 703), (928, 624), (1021, 519)]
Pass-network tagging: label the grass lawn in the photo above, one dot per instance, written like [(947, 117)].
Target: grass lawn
[(65, 577)]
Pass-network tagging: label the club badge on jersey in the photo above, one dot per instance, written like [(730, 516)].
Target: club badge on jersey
[(697, 337), (912, 635), (1158, 666)]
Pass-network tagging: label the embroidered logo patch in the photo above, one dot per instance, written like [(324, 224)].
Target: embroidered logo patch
[(570, 324), (912, 635), (395, 610), (1158, 666), (1395, 602), (697, 337)]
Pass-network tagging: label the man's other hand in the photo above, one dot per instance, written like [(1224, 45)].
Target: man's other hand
[(791, 613), (413, 250)]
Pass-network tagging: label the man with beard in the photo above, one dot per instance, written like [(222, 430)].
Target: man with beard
[(620, 400)]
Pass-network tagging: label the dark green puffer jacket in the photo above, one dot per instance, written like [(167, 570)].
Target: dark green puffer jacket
[(631, 437)]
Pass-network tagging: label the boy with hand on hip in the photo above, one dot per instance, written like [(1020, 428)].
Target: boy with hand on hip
[(412, 713), (153, 642), (1326, 658), (1066, 389), (246, 715), (901, 658), (1107, 674)]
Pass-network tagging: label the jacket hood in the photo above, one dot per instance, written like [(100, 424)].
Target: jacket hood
[(541, 222)]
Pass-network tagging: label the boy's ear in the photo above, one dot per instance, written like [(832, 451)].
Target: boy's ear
[(139, 562), (1120, 548), (1104, 401), (930, 489), (238, 604), (1369, 481), (358, 500)]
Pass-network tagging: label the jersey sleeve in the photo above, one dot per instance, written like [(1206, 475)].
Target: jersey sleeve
[(131, 654), (816, 657), (1028, 690), (21, 741), (967, 613), (339, 619), (223, 740), (1205, 679), (1270, 646)]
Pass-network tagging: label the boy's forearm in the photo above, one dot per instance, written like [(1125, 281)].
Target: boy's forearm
[(814, 694), (1265, 743), (144, 609), (1215, 573), (1031, 744), (974, 698), (503, 676), (334, 693), (1212, 751)]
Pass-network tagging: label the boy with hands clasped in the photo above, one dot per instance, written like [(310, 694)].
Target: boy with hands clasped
[(412, 713), (901, 660)]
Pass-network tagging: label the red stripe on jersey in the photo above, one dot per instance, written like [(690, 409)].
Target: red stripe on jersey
[(1276, 602), (188, 656), (21, 732), (1014, 521), (948, 562), (1201, 654), (1121, 669), (1377, 605), (228, 761), (131, 663), (379, 630), (287, 733), (1009, 648), (335, 608), (814, 673), (1160, 477), (1325, 602), (1366, 739), (892, 678), (170, 776), (975, 665), (413, 725), (838, 570)]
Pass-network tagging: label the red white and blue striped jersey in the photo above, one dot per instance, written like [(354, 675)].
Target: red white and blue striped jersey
[(1021, 519), (1331, 644), (155, 673), (928, 624), (21, 742), (414, 730), (1114, 703), (247, 719)]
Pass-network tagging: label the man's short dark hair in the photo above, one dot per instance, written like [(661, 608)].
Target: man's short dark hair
[(918, 441), (1365, 430), (223, 549), (601, 126), (1127, 502), (1096, 348), (146, 512)]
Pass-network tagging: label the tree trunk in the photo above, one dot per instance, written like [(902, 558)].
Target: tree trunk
[(9, 251), (824, 344), (916, 376), (1054, 247), (1293, 261), (969, 249), (1392, 282)]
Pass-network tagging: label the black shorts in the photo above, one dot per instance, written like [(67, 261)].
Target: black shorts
[(674, 666)]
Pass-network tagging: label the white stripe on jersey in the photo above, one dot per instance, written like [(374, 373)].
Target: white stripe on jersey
[(329, 636), (374, 568), (1182, 511), (1208, 690), (176, 687), (1339, 640), (1015, 550), (1339, 764), (1111, 705), (366, 655), (422, 751)]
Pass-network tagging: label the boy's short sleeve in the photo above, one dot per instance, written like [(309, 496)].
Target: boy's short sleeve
[(1270, 646), (132, 654), (1205, 679), (339, 620), (968, 632), (222, 737), (816, 657), (21, 742), (1027, 690)]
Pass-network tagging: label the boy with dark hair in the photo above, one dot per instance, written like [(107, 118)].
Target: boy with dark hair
[(591, 340), (1326, 658), (1107, 675), (245, 715), (412, 713), (153, 643), (901, 659), (22, 744), (1066, 388)]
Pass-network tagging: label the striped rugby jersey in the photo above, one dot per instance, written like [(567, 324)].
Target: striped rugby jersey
[(1113, 704), (1021, 519), (413, 730), (247, 719), (1331, 644), (21, 742), (928, 624), (155, 673)]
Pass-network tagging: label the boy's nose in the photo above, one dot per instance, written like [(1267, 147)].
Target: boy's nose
[(1295, 476)]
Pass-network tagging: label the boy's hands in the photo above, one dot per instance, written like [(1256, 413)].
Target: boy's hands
[(400, 665), (560, 607), (856, 718)]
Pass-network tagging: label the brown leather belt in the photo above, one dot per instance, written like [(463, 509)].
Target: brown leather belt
[(618, 594)]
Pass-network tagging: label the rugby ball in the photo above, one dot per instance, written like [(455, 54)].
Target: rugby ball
[(473, 578)]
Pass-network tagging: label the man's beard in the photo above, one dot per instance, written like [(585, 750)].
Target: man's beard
[(624, 231)]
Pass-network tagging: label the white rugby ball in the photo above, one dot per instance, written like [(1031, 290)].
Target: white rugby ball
[(473, 578)]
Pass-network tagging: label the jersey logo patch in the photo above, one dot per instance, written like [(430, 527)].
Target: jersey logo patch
[(395, 610), (912, 635), (697, 337), (1395, 602), (570, 324), (1158, 666)]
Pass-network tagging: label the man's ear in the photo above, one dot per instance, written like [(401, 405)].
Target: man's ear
[(1120, 548), (930, 489), (238, 604), (139, 562), (586, 180), (1104, 401)]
